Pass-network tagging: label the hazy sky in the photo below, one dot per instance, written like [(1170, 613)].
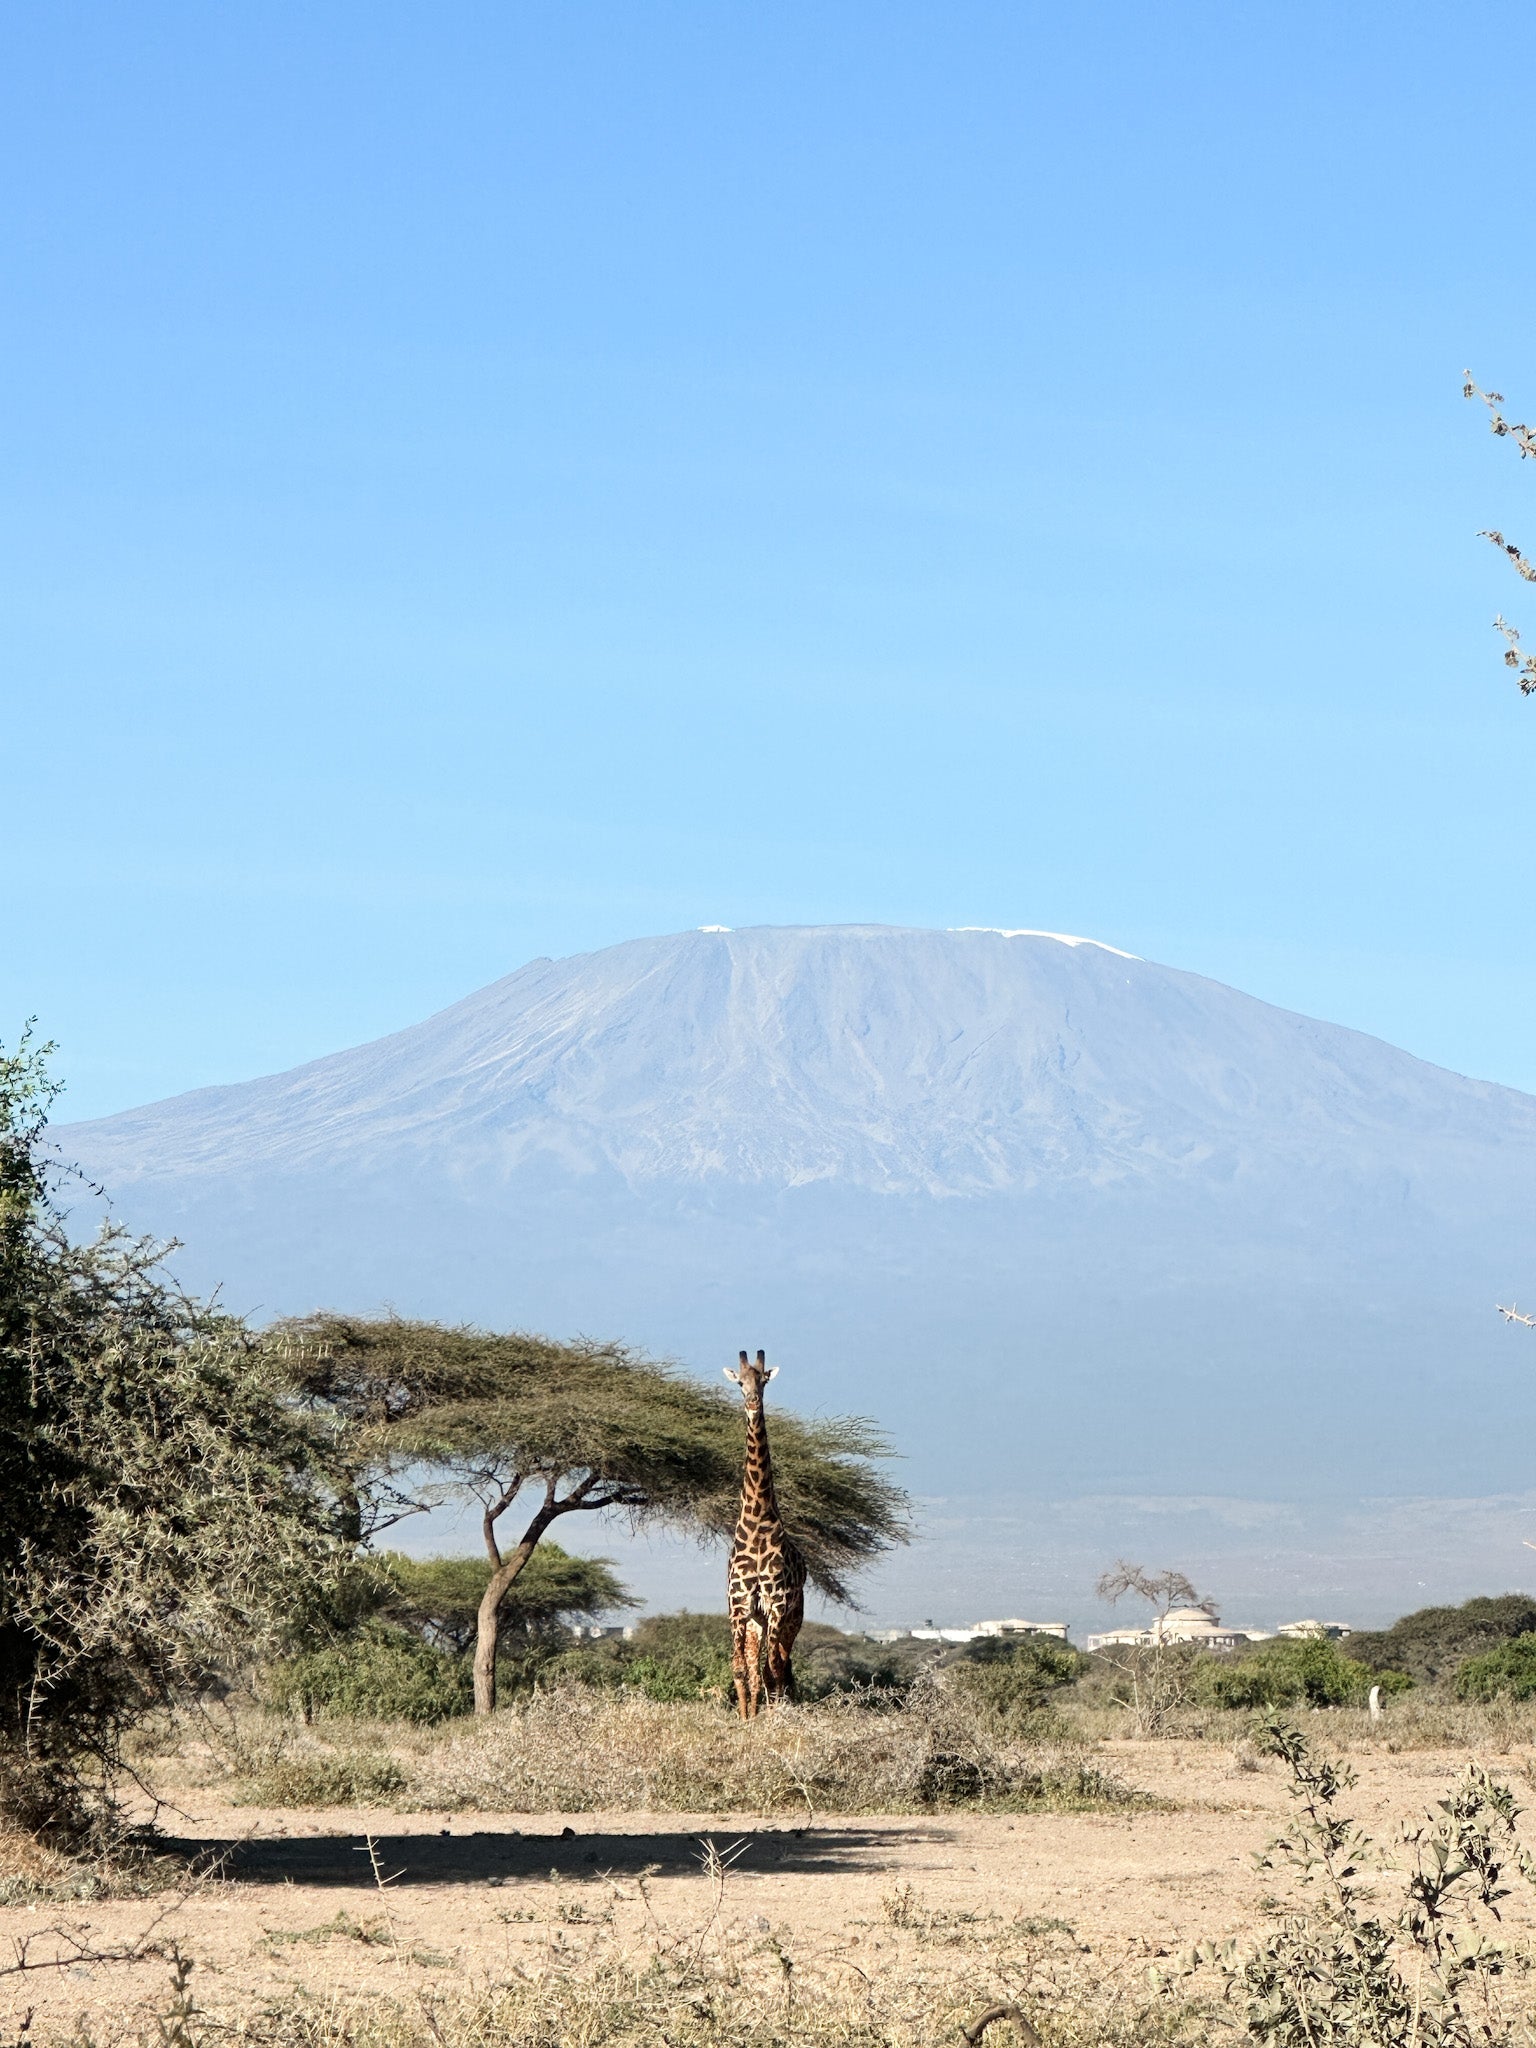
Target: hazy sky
[(490, 480)]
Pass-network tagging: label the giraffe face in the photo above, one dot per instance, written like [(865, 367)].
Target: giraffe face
[(751, 1378)]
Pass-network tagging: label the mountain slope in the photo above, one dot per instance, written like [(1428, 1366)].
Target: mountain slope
[(1062, 1217), (939, 1063)]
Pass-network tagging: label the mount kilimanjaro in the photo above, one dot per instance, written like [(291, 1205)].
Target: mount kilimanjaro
[(1066, 1221)]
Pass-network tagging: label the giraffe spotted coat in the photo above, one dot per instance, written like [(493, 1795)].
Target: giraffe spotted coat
[(766, 1576)]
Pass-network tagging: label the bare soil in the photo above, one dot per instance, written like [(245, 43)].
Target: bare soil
[(293, 1901)]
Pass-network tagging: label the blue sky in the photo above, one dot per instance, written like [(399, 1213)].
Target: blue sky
[(494, 480)]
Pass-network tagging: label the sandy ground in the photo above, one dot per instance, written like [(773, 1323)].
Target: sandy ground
[(469, 1897)]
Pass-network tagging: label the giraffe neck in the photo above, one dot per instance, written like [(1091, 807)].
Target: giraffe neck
[(758, 1501)]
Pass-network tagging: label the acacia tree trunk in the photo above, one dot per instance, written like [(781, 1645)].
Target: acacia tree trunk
[(504, 1571), (488, 1625)]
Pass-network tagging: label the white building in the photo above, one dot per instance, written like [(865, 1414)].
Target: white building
[(1198, 1625), (928, 1633), (1203, 1627), (1014, 1627)]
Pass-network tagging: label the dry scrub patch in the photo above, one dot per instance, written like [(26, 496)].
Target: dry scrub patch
[(581, 1750), (582, 1753)]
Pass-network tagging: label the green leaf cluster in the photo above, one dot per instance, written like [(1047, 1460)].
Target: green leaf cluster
[(378, 1673), (1014, 1681), (1509, 1672)]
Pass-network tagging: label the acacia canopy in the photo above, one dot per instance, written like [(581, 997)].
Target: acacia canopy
[(582, 1427)]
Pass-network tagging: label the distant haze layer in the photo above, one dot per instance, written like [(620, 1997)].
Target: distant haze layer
[(1067, 1222)]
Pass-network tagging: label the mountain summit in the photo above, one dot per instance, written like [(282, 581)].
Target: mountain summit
[(1055, 1213), (955, 1063)]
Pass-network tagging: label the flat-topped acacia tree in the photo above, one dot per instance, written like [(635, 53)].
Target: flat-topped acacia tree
[(513, 1420)]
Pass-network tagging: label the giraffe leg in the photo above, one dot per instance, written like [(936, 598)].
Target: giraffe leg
[(754, 1666), (781, 1641), (741, 1664)]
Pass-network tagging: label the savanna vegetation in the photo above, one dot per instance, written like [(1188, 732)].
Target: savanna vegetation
[(201, 1590), (190, 1507)]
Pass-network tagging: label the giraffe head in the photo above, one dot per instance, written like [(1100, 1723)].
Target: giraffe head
[(751, 1378)]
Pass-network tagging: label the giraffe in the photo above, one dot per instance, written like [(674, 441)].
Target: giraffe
[(766, 1576)]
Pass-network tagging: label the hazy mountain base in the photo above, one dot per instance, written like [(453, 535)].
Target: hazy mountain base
[(1359, 1561), (1290, 1339)]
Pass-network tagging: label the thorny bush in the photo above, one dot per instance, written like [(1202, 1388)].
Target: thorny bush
[(163, 1508)]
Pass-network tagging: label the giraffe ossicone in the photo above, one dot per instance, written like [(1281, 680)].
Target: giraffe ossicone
[(765, 1579)]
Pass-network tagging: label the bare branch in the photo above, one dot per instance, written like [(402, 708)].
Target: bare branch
[(1524, 438), (1161, 1590), (1009, 2011), (74, 1948), (494, 1510), (415, 1507)]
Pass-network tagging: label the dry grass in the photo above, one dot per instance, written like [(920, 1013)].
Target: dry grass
[(1431, 1719), (581, 1751), (915, 1979), (28, 1870), (1427, 1718)]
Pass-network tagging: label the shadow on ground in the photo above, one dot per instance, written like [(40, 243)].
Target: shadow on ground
[(483, 1857)]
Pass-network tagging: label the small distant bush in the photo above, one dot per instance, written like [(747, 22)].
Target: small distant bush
[(680, 1657), (379, 1673), (1508, 1672), (1013, 1682), (1301, 1671), (829, 1662), (687, 1656), (439, 1597)]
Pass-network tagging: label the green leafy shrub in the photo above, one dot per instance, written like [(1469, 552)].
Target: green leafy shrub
[(1431, 1642), (680, 1657), (1508, 1672), (380, 1673), (1306, 1670), (829, 1661), (1013, 1682), (687, 1656)]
